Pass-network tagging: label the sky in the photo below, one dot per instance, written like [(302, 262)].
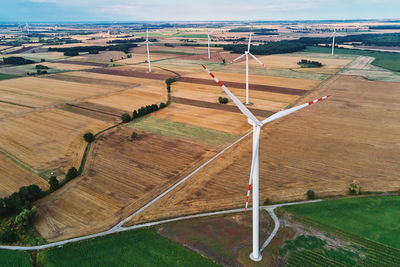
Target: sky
[(186, 10)]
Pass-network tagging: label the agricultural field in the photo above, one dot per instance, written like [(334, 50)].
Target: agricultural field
[(7, 76), (128, 181), (103, 57), (40, 92), (15, 258), (358, 231), (48, 139), (305, 164), (124, 249)]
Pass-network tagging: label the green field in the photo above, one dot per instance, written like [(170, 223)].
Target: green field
[(134, 248), (173, 129), (374, 218), (10, 258), (151, 34), (7, 76), (387, 60), (191, 35)]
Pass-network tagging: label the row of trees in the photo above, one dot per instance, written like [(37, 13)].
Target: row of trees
[(309, 63), (74, 51), (268, 48), (17, 61), (387, 39)]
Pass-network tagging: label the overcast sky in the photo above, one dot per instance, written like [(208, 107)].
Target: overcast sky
[(189, 10)]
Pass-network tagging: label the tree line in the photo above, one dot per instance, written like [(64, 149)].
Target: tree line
[(74, 51), (268, 48)]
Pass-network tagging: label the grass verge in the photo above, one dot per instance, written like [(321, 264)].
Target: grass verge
[(15, 258)]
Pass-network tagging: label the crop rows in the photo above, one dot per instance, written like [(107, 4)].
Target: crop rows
[(377, 254), (308, 258)]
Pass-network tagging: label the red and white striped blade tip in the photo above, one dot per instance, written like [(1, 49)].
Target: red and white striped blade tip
[(319, 99)]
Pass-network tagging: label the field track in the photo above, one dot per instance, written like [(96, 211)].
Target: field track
[(230, 108), (256, 87)]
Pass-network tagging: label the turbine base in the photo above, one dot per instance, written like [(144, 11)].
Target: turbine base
[(255, 259)]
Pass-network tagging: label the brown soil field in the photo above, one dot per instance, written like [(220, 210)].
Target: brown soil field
[(13, 176), (116, 182), (46, 139), (214, 57), (217, 106), (261, 100), (138, 58), (83, 63), (106, 78), (66, 66), (224, 121), (271, 81), (353, 135), (257, 87), (7, 109), (39, 92)]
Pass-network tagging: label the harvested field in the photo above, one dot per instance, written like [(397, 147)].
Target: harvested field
[(7, 109), (178, 130), (353, 135), (13, 176), (46, 139), (131, 100), (139, 58), (238, 81), (210, 93), (132, 73), (223, 121), (217, 106), (116, 182), (94, 111), (252, 86), (104, 57), (40, 92), (21, 50), (76, 62)]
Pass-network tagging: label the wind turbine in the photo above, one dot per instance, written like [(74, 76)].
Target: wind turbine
[(333, 40), (254, 172), (209, 40), (246, 54), (27, 27), (147, 42)]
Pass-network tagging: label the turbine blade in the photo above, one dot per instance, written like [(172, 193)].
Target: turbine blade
[(256, 138), (239, 57), (239, 104), (262, 64), (286, 112)]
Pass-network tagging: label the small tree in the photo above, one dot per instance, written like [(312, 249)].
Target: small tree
[(111, 60), (310, 194), (53, 182), (134, 136), (89, 137), (135, 114), (355, 187), (267, 201), (26, 217), (222, 100), (223, 61), (8, 235), (162, 105), (126, 117), (72, 173)]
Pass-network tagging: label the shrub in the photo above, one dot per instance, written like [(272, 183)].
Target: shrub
[(93, 52), (168, 88), (355, 187), (267, 202), (17, 61), (162, 105), (8, 235), (134, 136), (89, 137), (126, 117), (222, 100), (135, 115), (310, 194), (41, 67), (26, 217), (53, 182), (111, 60), (43, 60), (72, 173), (71, 53)]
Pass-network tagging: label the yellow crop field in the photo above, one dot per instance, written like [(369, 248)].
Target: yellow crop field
[(260, 79), (13, 176), (33, 91), (50, 138), (7, 109)]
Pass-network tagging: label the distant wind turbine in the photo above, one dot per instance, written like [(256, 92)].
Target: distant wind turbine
[(147, 42), (333, 40), (254, 172), (246, 54)]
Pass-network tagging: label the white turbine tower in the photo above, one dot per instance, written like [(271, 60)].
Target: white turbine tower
[(254, 172), (147, 42), (208, 43), (333, 40), (27, 27), (246, 54)]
